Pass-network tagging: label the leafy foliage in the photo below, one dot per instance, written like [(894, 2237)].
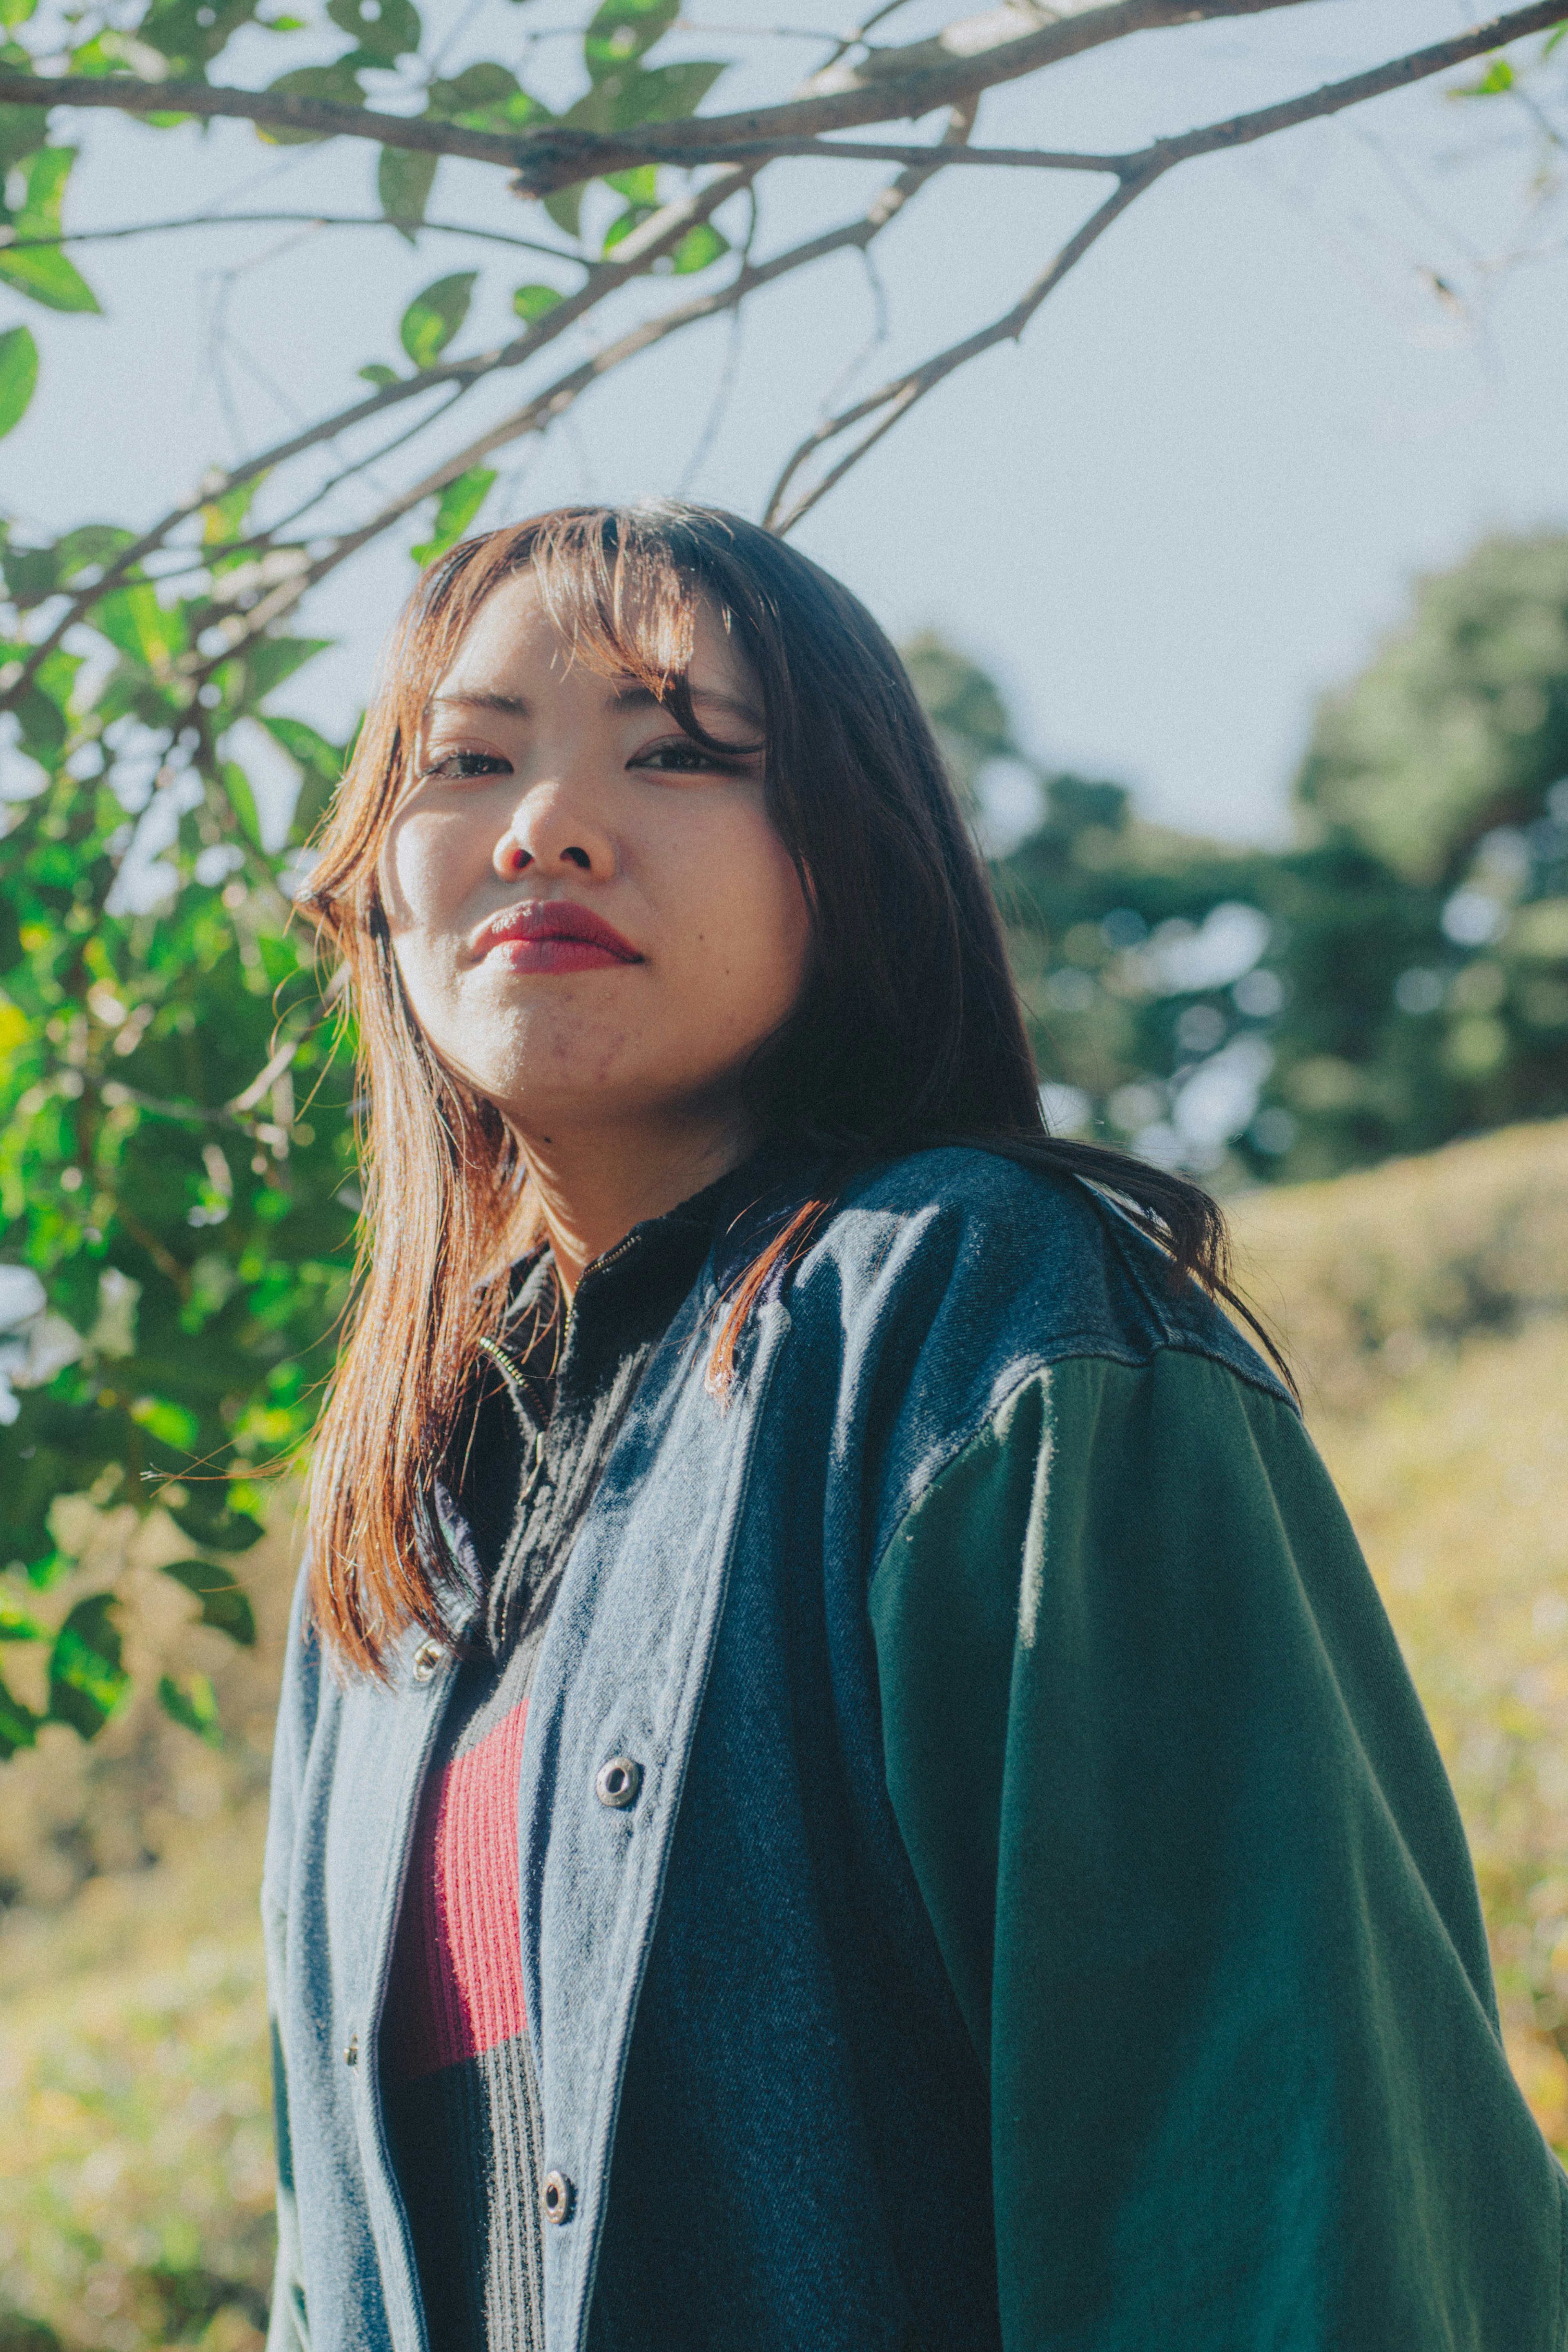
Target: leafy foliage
[(174, 1131)]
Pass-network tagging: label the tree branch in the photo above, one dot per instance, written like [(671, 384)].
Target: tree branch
[(268, 109), (1017, 39), (11, 243), (979, 53), (895, 400), (1137, 171), (563, 155), (634, 256), (538, 412)]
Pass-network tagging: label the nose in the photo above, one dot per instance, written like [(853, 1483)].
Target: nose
[(553, 833)]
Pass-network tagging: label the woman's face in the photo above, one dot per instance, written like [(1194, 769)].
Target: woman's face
[(594, 920)]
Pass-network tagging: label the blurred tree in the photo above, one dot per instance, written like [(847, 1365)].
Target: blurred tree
[(1399, 979), (1460, 724)]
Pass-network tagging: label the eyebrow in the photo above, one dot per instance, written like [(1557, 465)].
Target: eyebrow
[(627, 698), (509, 706), (642, 697)]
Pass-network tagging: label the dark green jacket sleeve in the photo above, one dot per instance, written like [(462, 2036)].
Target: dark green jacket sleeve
[(1203, 1893)]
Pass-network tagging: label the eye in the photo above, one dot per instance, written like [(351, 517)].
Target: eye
[(458, 766), (677, 755)]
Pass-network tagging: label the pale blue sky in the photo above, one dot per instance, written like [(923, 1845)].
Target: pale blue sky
[(1180, 509)]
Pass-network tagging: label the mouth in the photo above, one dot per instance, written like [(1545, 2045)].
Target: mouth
[(552, 934)]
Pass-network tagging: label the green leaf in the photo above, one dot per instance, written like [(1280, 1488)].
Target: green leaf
[(531, 302), (631, 95), (87, 1681), (146, 632), (321, 766), (224, 517), (18, 376), (15, 12), (16, 1625), (485, 98), (23, 130), (44, 273), (564, 208), (666, 92), (460, 502), (304, 745), (190, 33), (272, 659), (48, 278), (91, 545), (339, 83), (624, 222), (1498, 77), (393, 31), (42, 724), (1558, 33), (623, 30), (172, 1425), (379, 375), (45, 178), (19, 1725), (224, 1602), (433, 318), (700, 246), (403, 181), (242, 800), (639, 186), (191, 1701), (215, 1523)]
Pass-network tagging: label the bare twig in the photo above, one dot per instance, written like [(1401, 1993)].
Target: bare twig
[(403, 226), (556, 399), (881, 410), (634, 256)]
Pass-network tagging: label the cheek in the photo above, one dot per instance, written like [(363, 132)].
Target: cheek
[(420, 884), (756, 923)]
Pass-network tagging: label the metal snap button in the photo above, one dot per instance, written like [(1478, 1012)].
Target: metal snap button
[(426, 1658), (557, 2195), (617, 1783), (352, 2054)]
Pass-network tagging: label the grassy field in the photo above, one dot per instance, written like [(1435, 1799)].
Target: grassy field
[(1426, 1306)]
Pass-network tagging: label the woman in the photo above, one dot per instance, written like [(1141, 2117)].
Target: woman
[(841, 1784)]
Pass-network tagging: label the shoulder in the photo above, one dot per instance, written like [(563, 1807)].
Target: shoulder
[(946, 1282), (1042, 1261)]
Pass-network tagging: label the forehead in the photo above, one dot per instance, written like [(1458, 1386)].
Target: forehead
[(513, 638)]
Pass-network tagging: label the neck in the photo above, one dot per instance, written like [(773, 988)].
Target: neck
[(594, 1186)]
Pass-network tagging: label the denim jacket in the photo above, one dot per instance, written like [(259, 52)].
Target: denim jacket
[(1041, 1921)]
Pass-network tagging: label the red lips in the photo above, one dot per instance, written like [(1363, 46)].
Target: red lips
[(552, 934)]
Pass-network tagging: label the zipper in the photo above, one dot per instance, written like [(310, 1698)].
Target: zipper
[(514, 1376), (620, 1250)]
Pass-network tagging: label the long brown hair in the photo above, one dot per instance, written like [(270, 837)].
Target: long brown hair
[(908, 1033)]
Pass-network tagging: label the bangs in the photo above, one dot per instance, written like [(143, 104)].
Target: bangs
[(611, 587), (618, 598)]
